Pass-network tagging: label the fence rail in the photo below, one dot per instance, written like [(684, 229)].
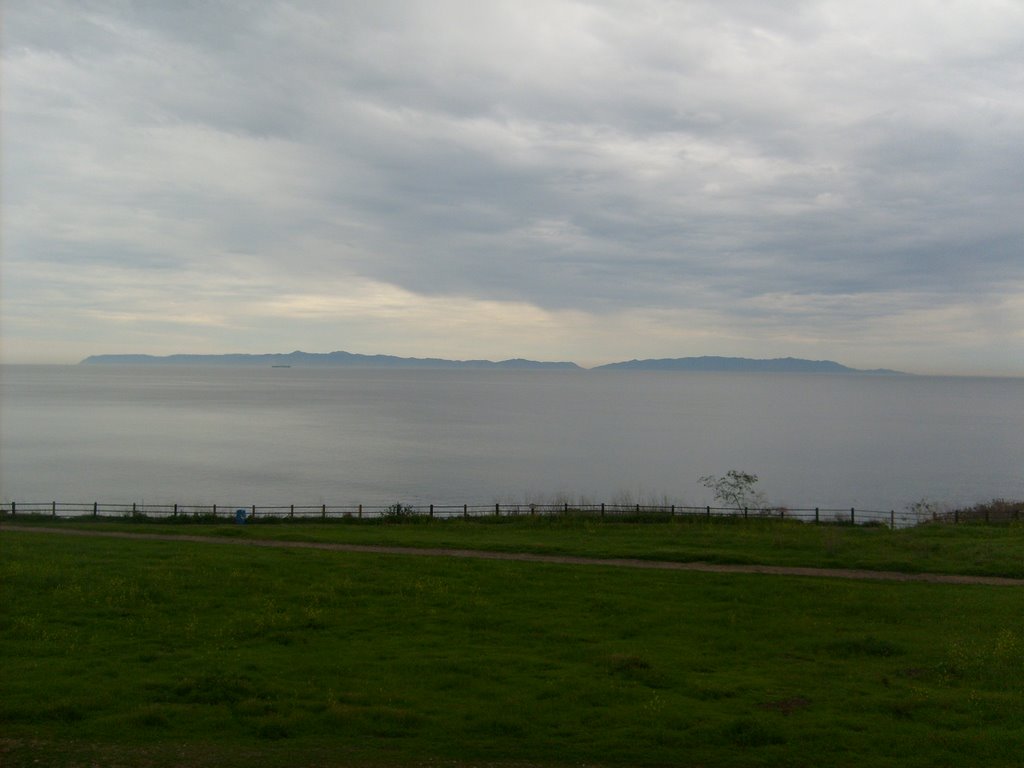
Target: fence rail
[(253, 512)]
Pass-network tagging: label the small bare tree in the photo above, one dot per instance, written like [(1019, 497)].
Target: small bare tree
[(735, 489), (925, 510)]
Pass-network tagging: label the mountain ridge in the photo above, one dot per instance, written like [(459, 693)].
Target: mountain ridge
[(338, 359), (341, 359), (727, 364)]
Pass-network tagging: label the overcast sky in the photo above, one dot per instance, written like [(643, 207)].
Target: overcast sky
[(588, 181)]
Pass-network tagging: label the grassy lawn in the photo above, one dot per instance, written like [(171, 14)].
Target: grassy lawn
[(121, 652), (989, 550)]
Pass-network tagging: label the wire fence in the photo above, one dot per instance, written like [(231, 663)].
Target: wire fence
[(399, 511)]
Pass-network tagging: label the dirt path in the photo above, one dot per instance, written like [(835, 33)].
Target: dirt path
[(663, 565)]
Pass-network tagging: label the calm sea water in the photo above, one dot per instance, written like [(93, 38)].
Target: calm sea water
[(238, 437)]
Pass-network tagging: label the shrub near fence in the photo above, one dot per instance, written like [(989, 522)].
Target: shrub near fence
[(228, 512), (995, 511)]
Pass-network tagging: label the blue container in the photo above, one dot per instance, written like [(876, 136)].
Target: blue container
[(240, 516)]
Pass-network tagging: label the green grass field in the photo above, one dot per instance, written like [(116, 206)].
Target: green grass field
[(129, 653), (975, 549)]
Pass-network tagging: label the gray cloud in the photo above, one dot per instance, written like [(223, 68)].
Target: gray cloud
[(799, 175)]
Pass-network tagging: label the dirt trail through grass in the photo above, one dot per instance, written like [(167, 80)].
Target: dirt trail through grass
[(773, 570)]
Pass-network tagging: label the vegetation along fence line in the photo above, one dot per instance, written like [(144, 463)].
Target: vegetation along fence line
[(241, 513)]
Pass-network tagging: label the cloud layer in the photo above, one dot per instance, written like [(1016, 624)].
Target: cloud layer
[(561, 180)]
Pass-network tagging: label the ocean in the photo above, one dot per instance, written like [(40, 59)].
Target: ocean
[(310, 436)]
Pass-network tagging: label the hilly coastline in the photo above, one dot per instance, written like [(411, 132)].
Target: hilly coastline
[(325, 359), (728, 364), (354, 360)]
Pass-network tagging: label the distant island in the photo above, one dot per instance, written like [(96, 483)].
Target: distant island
[(727, 364), (324, 359), (353, 360)]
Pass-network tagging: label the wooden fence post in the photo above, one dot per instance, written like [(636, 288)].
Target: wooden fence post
[(602, 509), (465, 510), (431, 511), (816, 518), (291, 511), (744, 513), (53, 508), (852, 520), (360, 511), (497, 509), (323, 511), (253, 511), (708, 510), (892, 519), (133, 509), (214, 510), (175, 509), (95, 508)]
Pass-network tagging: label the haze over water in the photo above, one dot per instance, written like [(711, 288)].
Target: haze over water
[(242, 436)]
